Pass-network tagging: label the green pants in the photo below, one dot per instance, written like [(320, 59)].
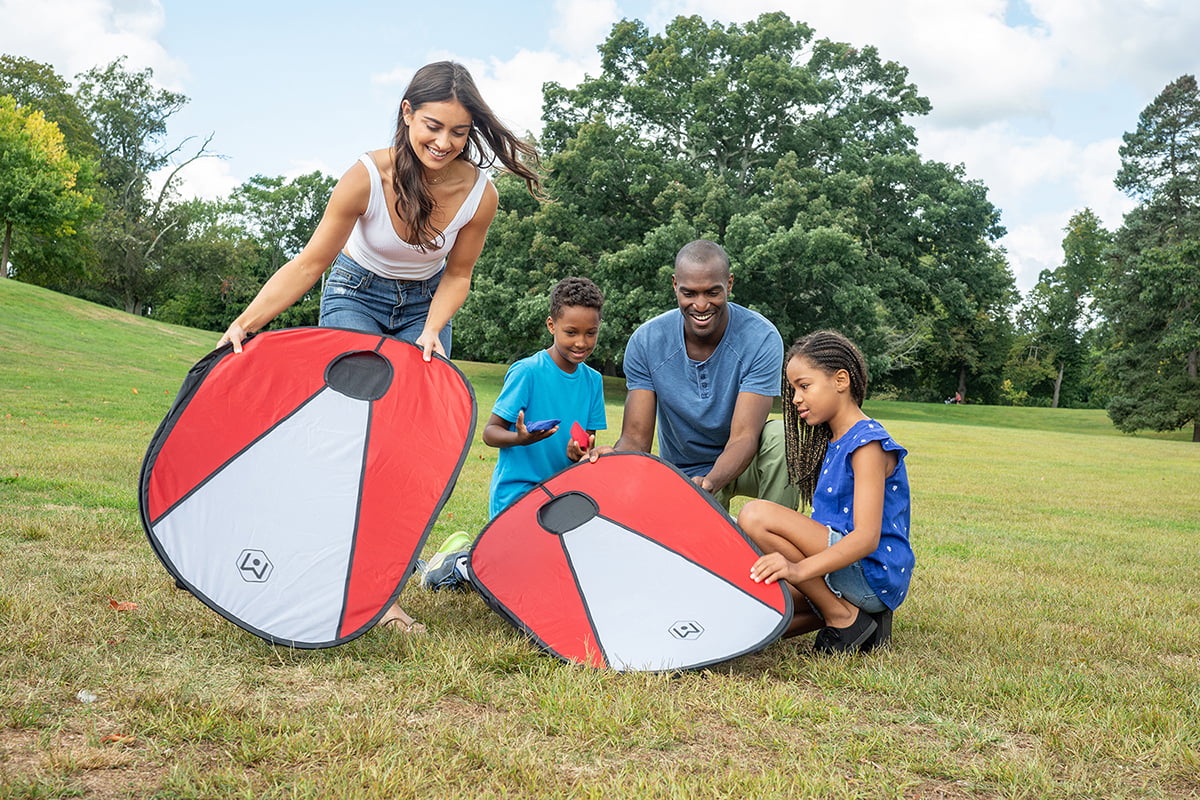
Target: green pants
[(765, 477)]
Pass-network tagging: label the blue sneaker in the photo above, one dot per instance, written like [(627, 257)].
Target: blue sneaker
[(446, 571), (443, 570)]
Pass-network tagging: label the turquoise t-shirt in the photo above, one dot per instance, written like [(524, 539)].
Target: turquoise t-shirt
[(537, 386), (889, 569)]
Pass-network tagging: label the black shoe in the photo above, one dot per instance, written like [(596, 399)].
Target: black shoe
[(850, 639), (883, 633)]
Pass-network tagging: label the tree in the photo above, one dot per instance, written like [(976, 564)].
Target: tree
[(225, 250), (279, 215), (37, 86), (216, 264), (129, 117), (1152, 294), (1058, 316), (59, 262), (38, 179), (792, 152)]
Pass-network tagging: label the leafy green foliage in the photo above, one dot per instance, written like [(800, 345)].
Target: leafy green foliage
[(794, 153), (128, 115), (38, 179), (1053, 359), (1152, 296)]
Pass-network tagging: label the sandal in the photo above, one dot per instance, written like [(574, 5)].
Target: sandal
[(402, 623)]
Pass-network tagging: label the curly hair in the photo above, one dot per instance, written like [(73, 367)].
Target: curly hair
[(575, 292), (805, 445)]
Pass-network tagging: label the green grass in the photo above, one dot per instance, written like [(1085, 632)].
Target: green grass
[(1049, 648)]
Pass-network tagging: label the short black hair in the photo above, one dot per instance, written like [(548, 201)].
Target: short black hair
[(704, 252), (575, 292)]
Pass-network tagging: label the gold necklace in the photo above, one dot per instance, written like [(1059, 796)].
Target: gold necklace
[(435, 181)]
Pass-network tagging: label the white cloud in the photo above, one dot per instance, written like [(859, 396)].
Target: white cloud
[(1033, 246), (960, 53), (1130, 40), (581, 25), (205, 178), (75, 35), (1038, 183), (513, 87)]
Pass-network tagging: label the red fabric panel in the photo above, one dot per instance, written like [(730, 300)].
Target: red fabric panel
[(419, 430), (646, 495), (524, 568), (242, 396)]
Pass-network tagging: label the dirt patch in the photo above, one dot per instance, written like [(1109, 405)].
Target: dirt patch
[(116, 768)]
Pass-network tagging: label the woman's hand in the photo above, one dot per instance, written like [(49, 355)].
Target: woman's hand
[(235, 336), (429, 343)]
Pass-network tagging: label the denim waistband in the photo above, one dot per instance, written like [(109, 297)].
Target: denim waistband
[(346, 261)]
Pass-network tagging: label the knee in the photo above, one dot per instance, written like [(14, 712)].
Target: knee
[(751, 519)]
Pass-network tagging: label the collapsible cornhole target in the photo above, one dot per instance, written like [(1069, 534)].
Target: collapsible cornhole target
[(625, 563), (291, 486)]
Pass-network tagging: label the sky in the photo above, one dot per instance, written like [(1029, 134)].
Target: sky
[(1032, 97)]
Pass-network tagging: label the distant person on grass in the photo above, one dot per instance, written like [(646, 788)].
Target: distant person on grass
[(404, 227), (553, 384), (708, 372), (851, 560)]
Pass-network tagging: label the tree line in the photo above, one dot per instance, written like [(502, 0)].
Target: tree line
[(793, 152)]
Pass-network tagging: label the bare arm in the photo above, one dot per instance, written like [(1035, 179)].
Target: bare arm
[(637, 424), (289, 283), (871, 465), (497, 433), (749, 416), (456, 280)]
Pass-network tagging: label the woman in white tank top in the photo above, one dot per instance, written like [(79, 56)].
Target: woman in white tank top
[(415, 212), (405, 226)]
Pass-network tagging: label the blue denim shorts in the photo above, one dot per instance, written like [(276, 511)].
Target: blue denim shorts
[(358, 299), (850, 584)]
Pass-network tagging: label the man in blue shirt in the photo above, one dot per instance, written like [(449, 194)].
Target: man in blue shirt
[(709, 372)]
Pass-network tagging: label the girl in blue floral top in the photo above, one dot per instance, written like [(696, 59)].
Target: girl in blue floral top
[(851, 559)]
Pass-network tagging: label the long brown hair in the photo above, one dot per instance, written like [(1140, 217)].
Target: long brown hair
[(804, 445), (440, 82)]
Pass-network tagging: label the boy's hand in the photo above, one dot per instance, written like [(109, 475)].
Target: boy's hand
[(577, 453), (770, 568), (526, 436)]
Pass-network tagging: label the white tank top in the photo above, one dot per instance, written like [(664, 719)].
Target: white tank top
[(375, 245)]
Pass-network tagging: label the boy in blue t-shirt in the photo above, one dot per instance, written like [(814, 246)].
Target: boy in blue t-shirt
[(552, 384)]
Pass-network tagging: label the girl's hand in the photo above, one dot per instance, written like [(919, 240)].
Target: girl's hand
[(770, 568)]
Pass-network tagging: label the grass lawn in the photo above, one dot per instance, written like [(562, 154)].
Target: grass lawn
[(1050, 647)]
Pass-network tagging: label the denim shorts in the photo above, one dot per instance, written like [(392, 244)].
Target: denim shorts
[(850, 584), (358, 299)]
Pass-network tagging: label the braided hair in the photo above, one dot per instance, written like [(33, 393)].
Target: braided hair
[(804, 445)]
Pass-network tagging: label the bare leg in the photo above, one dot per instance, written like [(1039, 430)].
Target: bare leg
[(777, 529)]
